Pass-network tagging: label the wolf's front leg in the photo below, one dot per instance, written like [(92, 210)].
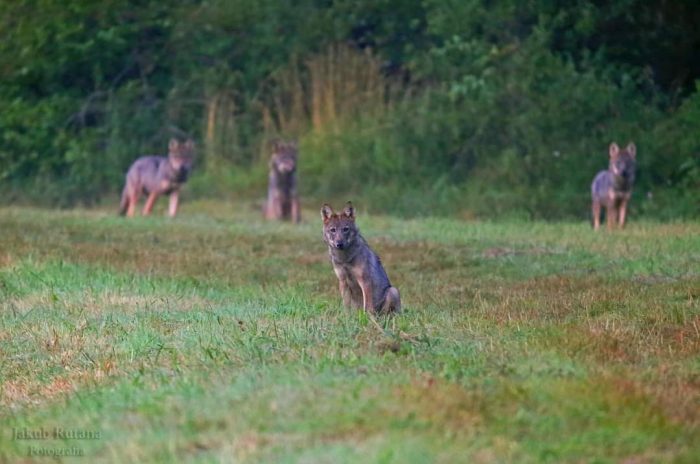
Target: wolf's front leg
[(595, 210), (172, 208), (268, 209), (611, 213), (275, 206), (367, 300), (343, 286), (623, 213), (345, 293), (296, 209)]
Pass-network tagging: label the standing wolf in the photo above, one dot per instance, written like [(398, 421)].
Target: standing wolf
[(361, 277), (156, 175), (282, 197), (613, 188)]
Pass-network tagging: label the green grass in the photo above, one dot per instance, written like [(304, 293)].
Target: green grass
[(217, 337)]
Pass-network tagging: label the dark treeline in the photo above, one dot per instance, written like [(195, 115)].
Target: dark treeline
[(466, 107)]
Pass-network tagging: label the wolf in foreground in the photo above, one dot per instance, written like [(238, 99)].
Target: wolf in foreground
[(612, 188), (361, 276), (156, 175), (282, 196)]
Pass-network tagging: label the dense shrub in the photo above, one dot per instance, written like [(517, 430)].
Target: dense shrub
[(417, 107)]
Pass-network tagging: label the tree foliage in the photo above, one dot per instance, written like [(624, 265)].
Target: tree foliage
[(490, 107)]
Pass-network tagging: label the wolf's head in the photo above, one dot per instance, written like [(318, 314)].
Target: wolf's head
[(284, 157), (339, 230), (181, 156), (623, 162)]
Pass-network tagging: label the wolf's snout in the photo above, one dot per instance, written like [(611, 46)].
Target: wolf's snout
[(339, 245)]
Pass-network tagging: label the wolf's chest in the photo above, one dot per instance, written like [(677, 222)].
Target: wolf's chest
[(167, 186), (617, 195), (350, 270)]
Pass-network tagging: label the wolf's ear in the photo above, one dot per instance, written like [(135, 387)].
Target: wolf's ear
[(189, 145), (326, 212), (614, 150), (173, 145), (632, 149), (349, 211)]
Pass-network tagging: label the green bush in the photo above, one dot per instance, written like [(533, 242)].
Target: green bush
[(472, 108)]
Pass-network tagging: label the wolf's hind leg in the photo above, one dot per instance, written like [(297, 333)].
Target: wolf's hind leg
[(148, 207), (392, 301), (132, 198), (124, 202)]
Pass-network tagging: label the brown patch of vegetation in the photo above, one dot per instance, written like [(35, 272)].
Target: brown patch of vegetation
[(677, 394), (439, 403), (615, 340), (20, 392), (6, 260), (14, 392), (57, 386)]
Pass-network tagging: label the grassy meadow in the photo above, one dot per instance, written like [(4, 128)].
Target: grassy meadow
[(217, 337)]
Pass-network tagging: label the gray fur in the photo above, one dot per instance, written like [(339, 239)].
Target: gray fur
[(612, 189), (356, 265), (282, 196), (151, 171), (157, 175)]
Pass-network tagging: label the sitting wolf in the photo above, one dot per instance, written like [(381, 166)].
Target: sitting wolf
[(362, 279), (282, 196), (156, 175), (613, 188)]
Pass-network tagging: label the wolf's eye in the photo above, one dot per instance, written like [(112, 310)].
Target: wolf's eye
[(332, 230), (346, 228)]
